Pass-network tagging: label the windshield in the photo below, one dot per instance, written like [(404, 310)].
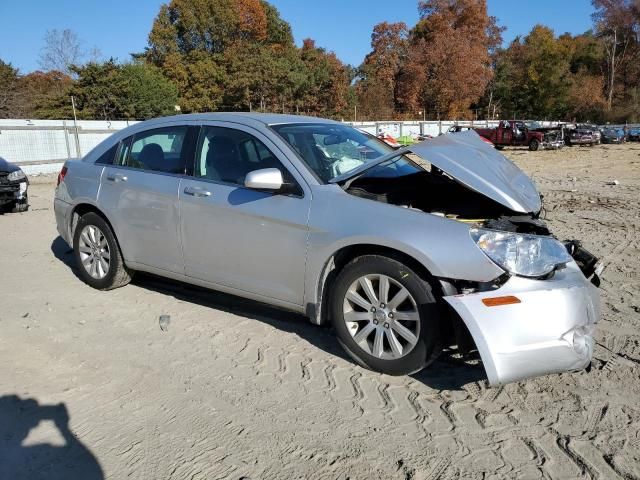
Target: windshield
[(330, 150)]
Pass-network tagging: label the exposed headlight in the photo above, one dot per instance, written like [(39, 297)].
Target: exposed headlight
[(17, 175), (525, 255)]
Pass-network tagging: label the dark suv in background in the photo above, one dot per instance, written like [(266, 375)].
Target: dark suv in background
[(13, 188)]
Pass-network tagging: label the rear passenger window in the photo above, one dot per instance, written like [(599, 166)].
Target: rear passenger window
[(159, 150), (107, 157)]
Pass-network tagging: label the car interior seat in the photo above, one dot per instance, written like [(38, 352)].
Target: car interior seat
[(152, 157), (223, 162)]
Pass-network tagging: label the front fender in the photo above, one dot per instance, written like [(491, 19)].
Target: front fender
[(444, 247)]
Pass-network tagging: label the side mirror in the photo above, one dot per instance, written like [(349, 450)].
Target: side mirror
[(269, 179)]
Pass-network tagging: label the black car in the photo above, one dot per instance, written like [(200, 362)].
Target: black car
[(612, 135), (13, 188)]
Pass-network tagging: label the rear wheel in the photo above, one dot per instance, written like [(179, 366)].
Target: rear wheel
[(534, 145), (98, 255), (386, 316)]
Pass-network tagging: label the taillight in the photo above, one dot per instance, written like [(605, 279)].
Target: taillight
[(61, 175)]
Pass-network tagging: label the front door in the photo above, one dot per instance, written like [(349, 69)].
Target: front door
[(253, 241), (139, 194), (506, 133)]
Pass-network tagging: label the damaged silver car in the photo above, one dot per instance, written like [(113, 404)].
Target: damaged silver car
[(405, 252)]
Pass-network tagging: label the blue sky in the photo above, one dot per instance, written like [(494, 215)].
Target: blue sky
[(119, 27)]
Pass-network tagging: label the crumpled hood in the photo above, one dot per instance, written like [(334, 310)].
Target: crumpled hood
[(470, 161), (476, 165)]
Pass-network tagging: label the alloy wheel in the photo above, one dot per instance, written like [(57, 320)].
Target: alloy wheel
[(381, 316), (94, 252)]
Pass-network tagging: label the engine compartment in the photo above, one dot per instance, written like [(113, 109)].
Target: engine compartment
[(433, 191)]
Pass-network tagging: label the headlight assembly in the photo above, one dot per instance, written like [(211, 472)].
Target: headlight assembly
[(15, 176), (524, 255)]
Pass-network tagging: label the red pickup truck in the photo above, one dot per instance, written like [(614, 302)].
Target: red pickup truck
[(512, 133)]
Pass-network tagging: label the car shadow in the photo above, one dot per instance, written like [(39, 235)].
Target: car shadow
[(18, 416), (62, 252), (448, 372)]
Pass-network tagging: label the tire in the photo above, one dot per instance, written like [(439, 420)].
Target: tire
[(499, 147), (534, 145), (411, 353), (93, 240)]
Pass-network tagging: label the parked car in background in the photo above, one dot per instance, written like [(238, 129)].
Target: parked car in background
[(612, 135), (512, 133), (13, 188), (389, 140), (597, 136), (459, 128), (580, 135), (314, 216), (633, 134), (553, 136)]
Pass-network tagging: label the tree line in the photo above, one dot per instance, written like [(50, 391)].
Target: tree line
[(239, 55)]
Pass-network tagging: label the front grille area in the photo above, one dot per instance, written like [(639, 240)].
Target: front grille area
[(7, 190)]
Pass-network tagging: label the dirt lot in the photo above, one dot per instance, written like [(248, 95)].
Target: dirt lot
[(237, 390)]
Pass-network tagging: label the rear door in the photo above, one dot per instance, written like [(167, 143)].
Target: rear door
[(249, 240), (139, 193)]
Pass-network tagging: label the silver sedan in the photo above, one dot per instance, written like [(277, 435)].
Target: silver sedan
[(405, 252)]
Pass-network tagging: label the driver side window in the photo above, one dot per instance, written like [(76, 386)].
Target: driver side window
[(228, 155)]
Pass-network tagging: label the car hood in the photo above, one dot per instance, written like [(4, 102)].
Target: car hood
[(7, 167), (473, 163)]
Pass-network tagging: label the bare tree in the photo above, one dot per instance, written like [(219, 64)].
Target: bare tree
[(62, 49), (614, 23)]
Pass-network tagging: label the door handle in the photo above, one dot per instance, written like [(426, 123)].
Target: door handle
[(116, 177), (197, 192)]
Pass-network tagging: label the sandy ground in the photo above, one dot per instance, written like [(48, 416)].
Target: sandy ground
[(91, 387)]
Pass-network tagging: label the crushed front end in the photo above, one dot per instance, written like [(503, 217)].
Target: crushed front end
[(13, 189), (530, 327), (538, 316)]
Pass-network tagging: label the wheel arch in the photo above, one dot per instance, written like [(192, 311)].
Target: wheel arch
[(83, 208), (318, 311)]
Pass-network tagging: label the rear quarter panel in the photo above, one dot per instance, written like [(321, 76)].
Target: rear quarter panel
[(81, 185)]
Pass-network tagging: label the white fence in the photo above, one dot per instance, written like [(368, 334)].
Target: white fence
[(41, 146), (46, 141)]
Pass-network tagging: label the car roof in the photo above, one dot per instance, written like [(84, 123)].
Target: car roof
[(246, 118)]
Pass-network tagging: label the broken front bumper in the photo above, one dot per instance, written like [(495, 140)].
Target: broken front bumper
[(11, 192), (548, 331), (553, 144)]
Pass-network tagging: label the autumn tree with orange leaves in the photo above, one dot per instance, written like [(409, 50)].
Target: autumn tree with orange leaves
[(378, 76), (449, 64), (239, 55)]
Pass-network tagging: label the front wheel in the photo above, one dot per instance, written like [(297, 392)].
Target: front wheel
[(98, 255), (534, 145), (386, 316)]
